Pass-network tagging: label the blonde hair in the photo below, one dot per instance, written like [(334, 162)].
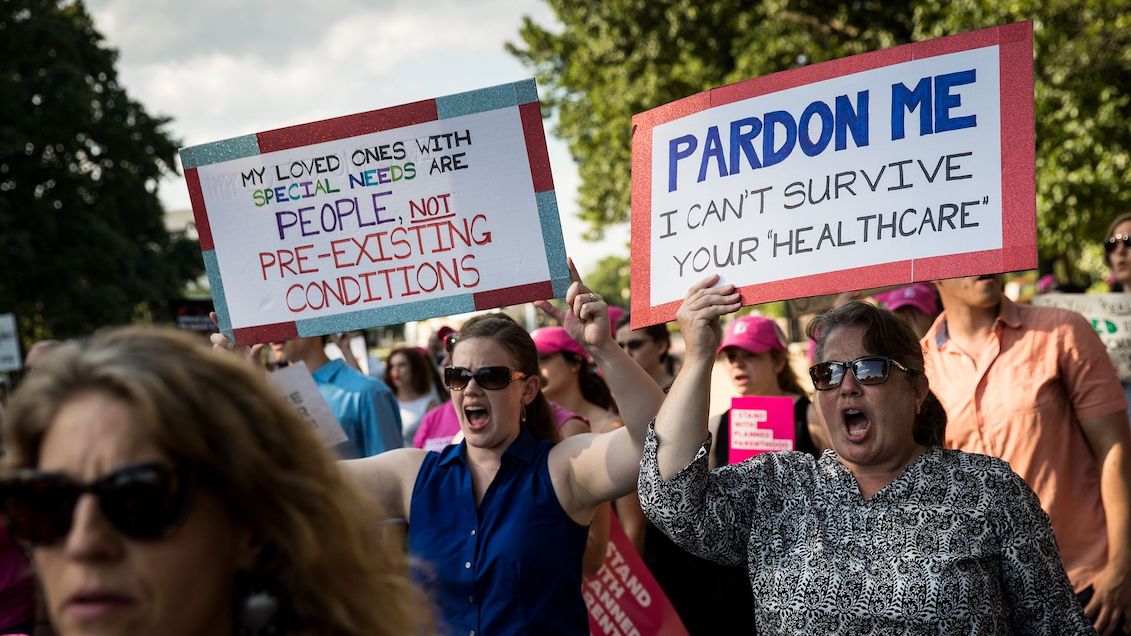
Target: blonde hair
[(321, 552)]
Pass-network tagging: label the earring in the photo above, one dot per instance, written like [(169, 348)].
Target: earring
[(258, 609), (522, 415)]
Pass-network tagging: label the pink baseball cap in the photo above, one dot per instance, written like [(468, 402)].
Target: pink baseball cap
[(615, 314), (1046, 283), (921, 296), (549, 340), (756, 334)]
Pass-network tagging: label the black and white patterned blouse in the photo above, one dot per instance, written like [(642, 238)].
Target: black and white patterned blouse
[(958, 544)]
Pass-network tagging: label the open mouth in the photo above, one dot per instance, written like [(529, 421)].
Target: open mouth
[(476, 417), (856, 424)]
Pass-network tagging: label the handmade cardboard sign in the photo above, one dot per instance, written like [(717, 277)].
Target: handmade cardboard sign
[(760, 424), (426, 209), (295, 384), (908, 164), (623, 598), (1110, 315), (9, 343)]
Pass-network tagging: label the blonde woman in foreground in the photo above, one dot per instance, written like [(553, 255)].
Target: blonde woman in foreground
[(164, 489)]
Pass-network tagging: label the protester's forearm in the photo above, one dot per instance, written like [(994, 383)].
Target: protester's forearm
[(1115, 490), (637, 395), (681, 425)]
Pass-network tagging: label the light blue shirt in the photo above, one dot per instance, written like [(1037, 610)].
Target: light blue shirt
[(364, 406)]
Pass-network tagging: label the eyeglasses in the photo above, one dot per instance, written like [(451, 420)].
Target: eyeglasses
[(632, 345), (1113, 241), (867, 370), (491, 378), (144, 502)]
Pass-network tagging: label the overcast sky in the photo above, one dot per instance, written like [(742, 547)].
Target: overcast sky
[(223, 68)]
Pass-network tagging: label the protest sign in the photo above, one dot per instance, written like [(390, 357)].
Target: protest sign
[(908, 164), (623, 598), (191, 314), (760, 424), (295, 384), (9, 343), (431, 208), (1110, 315)]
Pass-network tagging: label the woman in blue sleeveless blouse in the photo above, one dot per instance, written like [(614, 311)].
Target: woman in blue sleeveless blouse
[(500, 520)]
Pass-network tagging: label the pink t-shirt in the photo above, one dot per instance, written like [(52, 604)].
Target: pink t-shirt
[(441, 424)]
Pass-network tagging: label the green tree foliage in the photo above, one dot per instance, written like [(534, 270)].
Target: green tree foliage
[(82, 243), (616, 58), (610, 279)]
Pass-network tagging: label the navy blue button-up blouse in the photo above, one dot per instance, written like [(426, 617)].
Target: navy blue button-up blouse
[(512, 566)]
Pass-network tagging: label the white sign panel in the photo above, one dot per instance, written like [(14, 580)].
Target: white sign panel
[(907, 164), (295, 384), (1110, 315), (425, 209)]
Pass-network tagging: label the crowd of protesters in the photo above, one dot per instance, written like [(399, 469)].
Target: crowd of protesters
[(961, 466)]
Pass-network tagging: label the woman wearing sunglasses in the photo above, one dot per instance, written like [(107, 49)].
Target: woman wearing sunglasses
[(649, 347), (1117, 256), (164, 489), (885, 533), (500, 519), (1117, 252)]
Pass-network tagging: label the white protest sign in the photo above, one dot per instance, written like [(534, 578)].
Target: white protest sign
[(295, 385), (9, 343), (912, 163), (1110, 315), (425, 209)]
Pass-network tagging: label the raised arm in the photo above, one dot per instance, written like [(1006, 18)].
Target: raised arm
[(594, 468), (681, 426), (708, 513), (389, 478)]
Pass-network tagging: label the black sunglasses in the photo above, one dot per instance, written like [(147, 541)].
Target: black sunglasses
[(867, 370), (144, 502), (493, 378), (632, 345), (1115, 239)]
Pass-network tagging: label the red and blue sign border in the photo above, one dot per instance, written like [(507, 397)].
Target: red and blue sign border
[(523, 95), (1018, 180)]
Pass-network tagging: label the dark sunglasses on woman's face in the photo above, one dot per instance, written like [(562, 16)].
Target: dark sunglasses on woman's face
[(867, 370), (1114, 240), (143, 502), (492, 378)]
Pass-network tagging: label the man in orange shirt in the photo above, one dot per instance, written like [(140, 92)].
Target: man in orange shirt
[(1035, 387)]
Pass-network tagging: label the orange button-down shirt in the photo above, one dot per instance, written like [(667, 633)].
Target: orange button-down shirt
[(1022, 400)]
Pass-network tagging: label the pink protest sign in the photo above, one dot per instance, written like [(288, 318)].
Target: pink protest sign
[(760, 425), (623, 598), (913, 163)]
